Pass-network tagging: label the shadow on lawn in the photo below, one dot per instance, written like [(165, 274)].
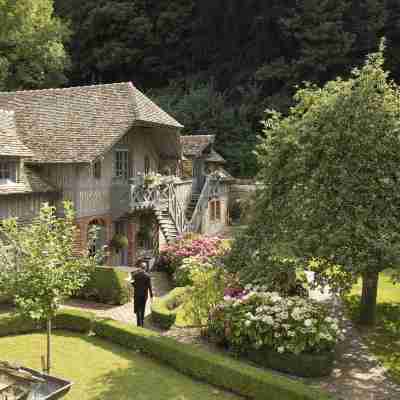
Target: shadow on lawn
[(146, 379), (384, 339)]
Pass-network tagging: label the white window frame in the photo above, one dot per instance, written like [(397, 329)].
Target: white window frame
[(121, 164)]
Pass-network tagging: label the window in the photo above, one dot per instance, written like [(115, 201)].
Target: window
[(146, 165), (215, 211), (8, 171), (121, 164), (97, 170)]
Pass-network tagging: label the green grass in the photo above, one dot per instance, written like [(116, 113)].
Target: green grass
[(101, 370), (384, 339)]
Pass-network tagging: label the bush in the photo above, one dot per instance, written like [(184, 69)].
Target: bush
[(5, 299), (191, 245), (78, 321), (255, 319), (213, 368), (206, 289), (164, 309), (106, 285), (74, 320), (14, 324)]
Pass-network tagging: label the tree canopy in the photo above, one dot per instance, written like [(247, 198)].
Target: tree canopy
[(32, 53), (330, 176)]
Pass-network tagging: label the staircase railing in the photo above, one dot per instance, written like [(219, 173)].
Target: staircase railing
[(195, 223), (176, 210)]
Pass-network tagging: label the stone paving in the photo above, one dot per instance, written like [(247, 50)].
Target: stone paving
[(161, 286)]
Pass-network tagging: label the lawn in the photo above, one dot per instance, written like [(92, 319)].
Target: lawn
[(384, 340), (101, 370)]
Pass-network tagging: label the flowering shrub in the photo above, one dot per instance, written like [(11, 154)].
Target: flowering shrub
[(205, 248), (253, 318), (207, 282)]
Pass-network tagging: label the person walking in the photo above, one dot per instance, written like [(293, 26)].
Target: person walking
[(141, 283)]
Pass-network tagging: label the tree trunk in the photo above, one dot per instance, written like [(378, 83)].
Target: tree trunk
[(48, 362), (368, 298)]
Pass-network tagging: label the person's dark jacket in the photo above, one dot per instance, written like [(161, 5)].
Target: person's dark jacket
[(141, 287)]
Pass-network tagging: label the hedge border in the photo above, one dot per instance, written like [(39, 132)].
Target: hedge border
[(161, 314), (224, 372)]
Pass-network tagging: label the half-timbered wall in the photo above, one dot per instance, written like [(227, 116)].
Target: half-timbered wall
[(90, 194), (23, 206)]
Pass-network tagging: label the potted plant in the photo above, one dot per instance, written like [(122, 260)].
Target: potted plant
[(119, 242)]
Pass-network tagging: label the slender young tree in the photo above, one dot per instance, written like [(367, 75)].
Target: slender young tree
[(331, 177), (38, 266)]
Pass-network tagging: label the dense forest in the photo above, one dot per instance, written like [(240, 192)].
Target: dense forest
[(217, 65)]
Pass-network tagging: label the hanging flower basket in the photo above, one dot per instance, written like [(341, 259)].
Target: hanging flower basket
[(119, 242)]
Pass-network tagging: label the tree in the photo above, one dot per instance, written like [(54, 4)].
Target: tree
[(330, 171), (32, 54), (39, 267)]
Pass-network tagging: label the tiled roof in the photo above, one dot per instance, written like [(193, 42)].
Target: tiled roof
[(194, 145), (30, 182), (10, 143), (79, 124), (215, 157)]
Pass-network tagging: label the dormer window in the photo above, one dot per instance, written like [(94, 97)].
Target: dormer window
[(8, 172)]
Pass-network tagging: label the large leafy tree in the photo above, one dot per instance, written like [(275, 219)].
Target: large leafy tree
[(38, 266), (32, 53), (331, 178)]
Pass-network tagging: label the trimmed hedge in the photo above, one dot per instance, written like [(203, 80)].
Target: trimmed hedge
[(106, 285), (77, 321), (305, 365), (216, 369), (73, 320), (164, 309)]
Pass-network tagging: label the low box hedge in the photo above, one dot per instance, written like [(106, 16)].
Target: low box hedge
[(164, 309), (304, 365), (73, 320), (106, 285), (213, 368)]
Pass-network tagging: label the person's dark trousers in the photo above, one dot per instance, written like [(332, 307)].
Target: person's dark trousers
[(140, 307)]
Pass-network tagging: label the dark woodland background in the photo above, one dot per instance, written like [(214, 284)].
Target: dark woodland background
[(218, 65)]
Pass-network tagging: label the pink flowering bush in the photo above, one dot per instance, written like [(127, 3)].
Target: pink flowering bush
[(206, 249)]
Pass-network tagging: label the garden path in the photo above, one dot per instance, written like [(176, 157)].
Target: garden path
[(161, 286)]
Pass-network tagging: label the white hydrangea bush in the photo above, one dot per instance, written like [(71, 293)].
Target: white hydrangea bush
[(255, 318)]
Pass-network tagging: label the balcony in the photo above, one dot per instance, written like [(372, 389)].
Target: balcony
[(146, 192)]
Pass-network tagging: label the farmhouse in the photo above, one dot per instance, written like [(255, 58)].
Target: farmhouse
[(119, 158)]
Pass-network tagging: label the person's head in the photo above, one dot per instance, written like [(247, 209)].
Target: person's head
[(141, 265)]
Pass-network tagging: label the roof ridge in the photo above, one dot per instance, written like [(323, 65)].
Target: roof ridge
[(68, 88)]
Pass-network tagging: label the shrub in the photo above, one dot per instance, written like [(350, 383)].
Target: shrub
[(192, 245), (106, 285), (206, 290), (11, 324), (5, 299), (74, 320), (119, 242), (254, 319), (213, 368), (164, 309)]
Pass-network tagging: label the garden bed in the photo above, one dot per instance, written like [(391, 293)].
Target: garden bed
[(212, 368)]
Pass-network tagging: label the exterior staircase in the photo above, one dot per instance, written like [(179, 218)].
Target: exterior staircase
[(166, 223), (192, 205)]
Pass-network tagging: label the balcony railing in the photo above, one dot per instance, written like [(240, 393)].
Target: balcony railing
[(153, 192)]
